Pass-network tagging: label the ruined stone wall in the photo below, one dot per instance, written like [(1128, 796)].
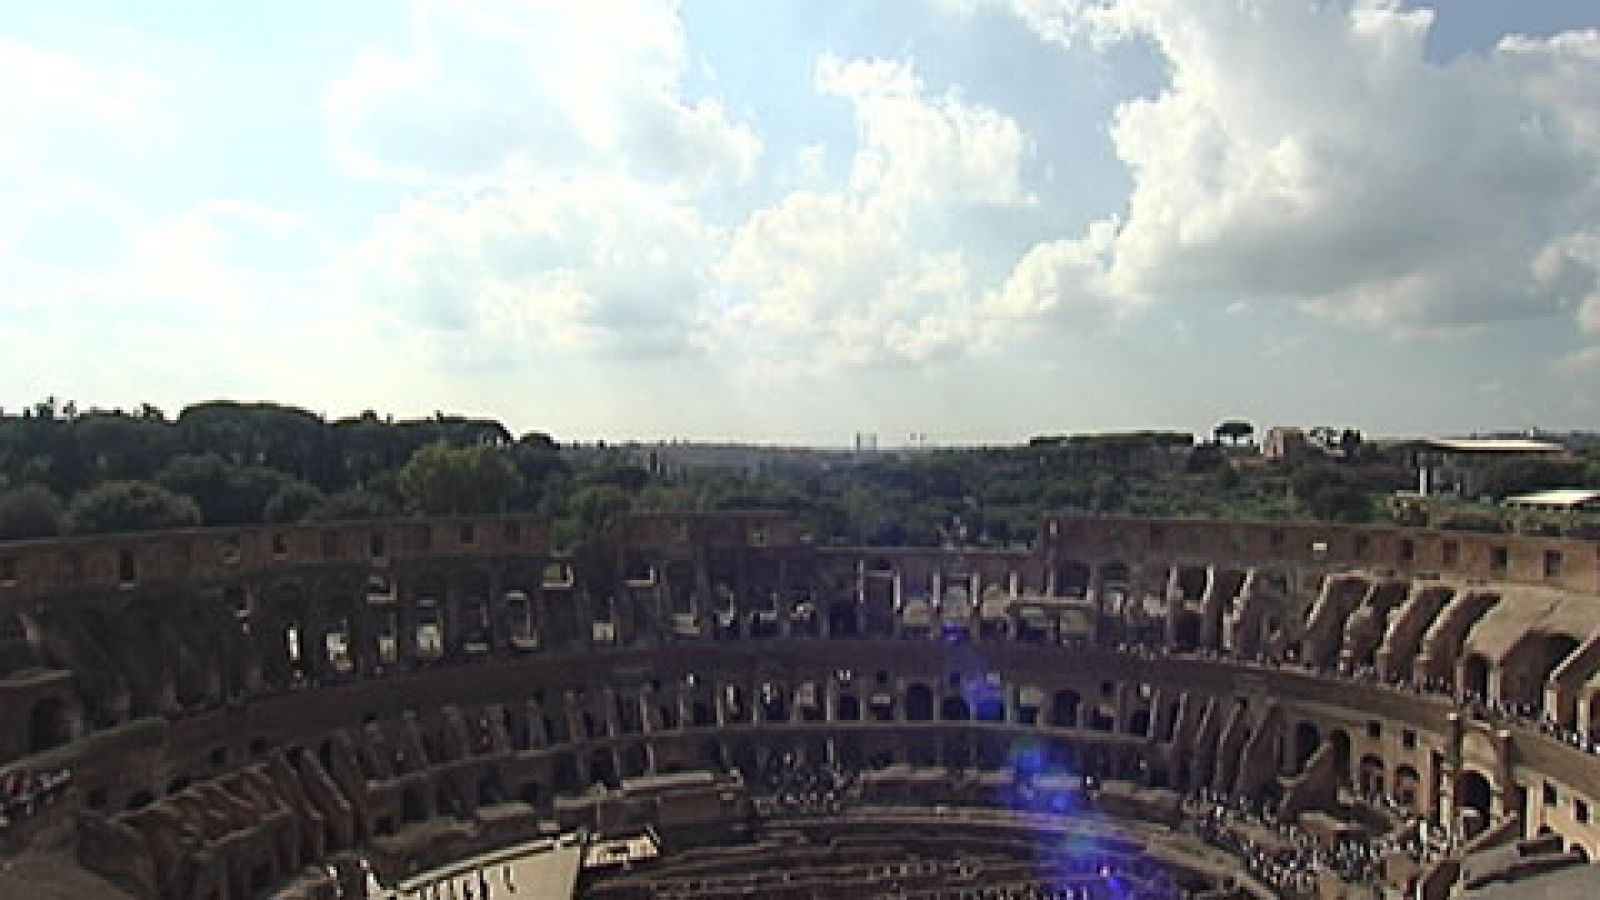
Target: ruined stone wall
[(238, 708)]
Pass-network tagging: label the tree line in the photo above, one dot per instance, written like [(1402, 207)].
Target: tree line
[(63, 471)]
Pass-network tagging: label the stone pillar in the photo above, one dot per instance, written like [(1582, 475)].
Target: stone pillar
[(1094, 590), (450, 614), (783, 604), (613, 725), (499, 613), (1174, 607), (719, 702)]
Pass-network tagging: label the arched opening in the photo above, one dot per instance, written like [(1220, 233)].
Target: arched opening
[(1072, 579), (842, 618), (1475, 677), (16, 654), (412, 806), (1139, 722), (602, 769), (1339, 739), (47, 725), (531, 793), (849, 709), (954, 709), (1064, 709), (1370, 776), (919, 703), (1186, 636), (565, 773), (1101, 719), (1306, 741), (1474, 799), (991, 709), (1528, 670), (1192, 583), (1407, 783), (774, 703), (635, 760), (491, 790), (957, 751)]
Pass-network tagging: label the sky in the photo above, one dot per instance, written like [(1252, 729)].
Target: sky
[(975, 220)]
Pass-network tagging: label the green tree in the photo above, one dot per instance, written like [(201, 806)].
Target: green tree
[(353, 506), (1327, 493), (227, 494), (29, 511), (441, 479), (593, 506), (116, 506), (292, 503)]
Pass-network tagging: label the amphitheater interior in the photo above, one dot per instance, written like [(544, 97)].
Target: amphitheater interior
[(713, 705)]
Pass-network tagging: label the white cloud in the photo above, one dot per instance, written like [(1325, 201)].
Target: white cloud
[(875, 272), (913, 147), (53, 101), (593, 264), (1310, 153), (551, 85)]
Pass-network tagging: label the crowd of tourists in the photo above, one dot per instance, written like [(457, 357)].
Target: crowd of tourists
[(797, 788), (482, 884), (23, 794), (1476, 703), (1287, 857)]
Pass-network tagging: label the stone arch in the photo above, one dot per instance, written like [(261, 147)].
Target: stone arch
[(1192, 581), (990, 708), (1340, 740), (1307, 738), (285, 647), (336, 637), (954, 708), (16, 650), (1064, 706), (1474, 801), (1370, 776), (1072, 579), (844, 618), (474, 626), (49, 724), (413, 805), (1475, 676), (1529, 665), (774, 703), (919, 703), (1407, 785), (603, 769), (428, 624), (1139, 722)]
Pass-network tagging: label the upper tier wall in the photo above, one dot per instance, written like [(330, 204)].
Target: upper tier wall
[(32, 569)]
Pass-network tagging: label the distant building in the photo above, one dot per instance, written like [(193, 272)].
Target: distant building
[(1558, 500), (1460, 465), (1286, 444)]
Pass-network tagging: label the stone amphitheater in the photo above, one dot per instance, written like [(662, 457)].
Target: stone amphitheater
[(712, 705)]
